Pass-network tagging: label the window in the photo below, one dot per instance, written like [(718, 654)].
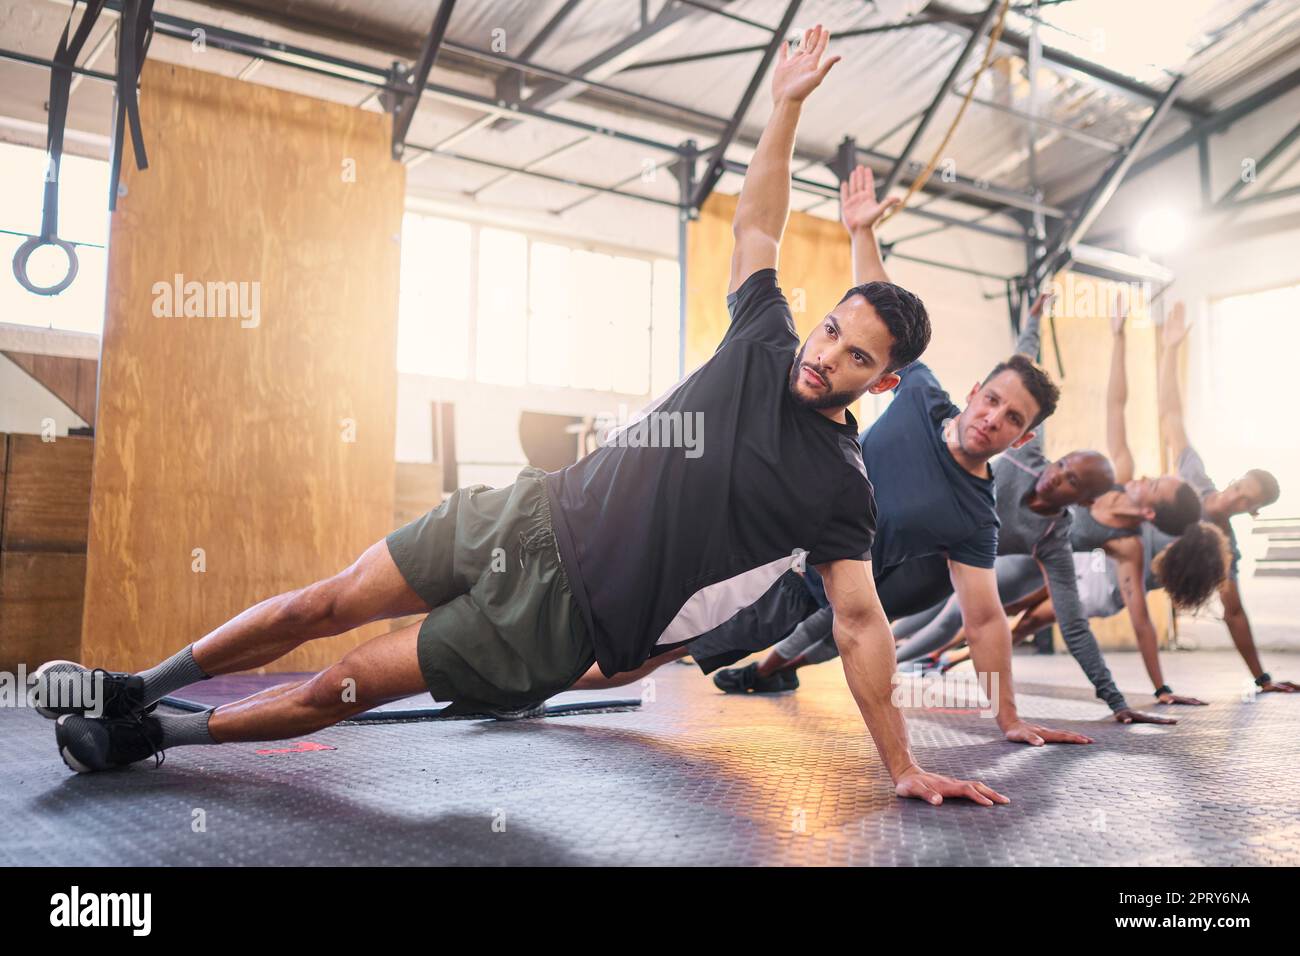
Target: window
[(501, 344), (612, 322), (665, 327), (541, 312), (83, 218), (434, 302), (552, 332), (1241, 392)]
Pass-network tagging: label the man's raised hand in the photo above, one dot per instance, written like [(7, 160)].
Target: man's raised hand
[(800, 72), (1043, 301), (859, 208)]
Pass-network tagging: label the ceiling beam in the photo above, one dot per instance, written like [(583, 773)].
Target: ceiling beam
[(1071, 232), (1113, 78)]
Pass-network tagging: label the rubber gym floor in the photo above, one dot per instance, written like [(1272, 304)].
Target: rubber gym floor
[(695, 777)]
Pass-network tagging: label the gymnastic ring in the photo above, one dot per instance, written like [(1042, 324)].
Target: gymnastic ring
[(24, 253)]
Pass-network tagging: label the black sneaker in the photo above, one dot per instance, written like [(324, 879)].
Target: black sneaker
[(61, 688), (88, 745), (746, 680), (789, 678)]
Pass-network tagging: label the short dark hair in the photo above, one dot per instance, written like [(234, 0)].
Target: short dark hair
[(1036, 381), (1174, 517), (1194, 566), (903, 314), (1267, 484)]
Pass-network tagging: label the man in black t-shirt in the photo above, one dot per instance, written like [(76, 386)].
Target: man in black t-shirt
[(638, 548)]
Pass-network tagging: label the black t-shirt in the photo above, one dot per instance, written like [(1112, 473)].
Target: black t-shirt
[(663, 544), (928, 503)]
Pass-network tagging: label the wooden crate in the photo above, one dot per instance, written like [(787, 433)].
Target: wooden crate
[(47, 494), (41, 596)]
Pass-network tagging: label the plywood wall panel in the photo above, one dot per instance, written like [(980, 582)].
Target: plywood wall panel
[(242, 456), (815, 258)]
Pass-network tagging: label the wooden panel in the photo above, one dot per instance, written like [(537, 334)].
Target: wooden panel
[(265, 439), (71, 380), (816, 268), (4, 468), (40, 607), (47, 494)]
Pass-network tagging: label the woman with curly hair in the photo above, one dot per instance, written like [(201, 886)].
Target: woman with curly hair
[(1192, 567)]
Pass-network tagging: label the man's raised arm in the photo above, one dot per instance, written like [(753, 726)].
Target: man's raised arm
[(860, 211), (764, 203), (1169, 401), (1030, 342), (867, 652), (1121, 456)]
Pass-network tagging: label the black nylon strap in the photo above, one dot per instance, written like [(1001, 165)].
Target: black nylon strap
[(135, 33), (65, 57)]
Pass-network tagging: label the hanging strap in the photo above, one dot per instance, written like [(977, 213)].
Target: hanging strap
[(65, 58), (134, 35)]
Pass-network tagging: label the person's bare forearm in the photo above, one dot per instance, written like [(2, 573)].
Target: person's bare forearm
[(990, 649), (867, 653), (868, 266), (764, 203), (1169, 401), (595, 680), (1117, 399), (1147, 642), (1239, 629)]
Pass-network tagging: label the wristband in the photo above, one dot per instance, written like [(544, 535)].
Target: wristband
[(1262, 679), (1164, 689)]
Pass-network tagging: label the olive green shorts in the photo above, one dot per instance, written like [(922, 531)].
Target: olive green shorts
[(505, 631)]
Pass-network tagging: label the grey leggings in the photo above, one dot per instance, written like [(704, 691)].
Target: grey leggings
[(926, 631), (1018, 575), (910, 593)]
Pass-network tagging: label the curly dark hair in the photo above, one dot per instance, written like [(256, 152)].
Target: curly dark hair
[(903, 314), (1177, 516), (1193, 566)]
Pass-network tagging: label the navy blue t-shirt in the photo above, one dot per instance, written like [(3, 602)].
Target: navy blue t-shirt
[(926, 503)]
